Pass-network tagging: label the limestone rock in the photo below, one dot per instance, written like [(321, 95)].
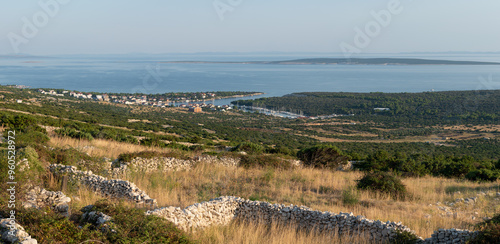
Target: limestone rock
[(19, 234)]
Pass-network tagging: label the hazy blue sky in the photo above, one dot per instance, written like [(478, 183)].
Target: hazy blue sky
[(162, 26)]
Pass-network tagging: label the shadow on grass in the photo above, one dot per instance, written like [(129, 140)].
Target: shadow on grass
[(453, 189)]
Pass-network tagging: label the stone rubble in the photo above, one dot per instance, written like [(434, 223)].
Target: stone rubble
[(114, 188), (468, 201), (20, 236), (465, 207), (345, 167), (98, 219), (39, 198), (23, 165)]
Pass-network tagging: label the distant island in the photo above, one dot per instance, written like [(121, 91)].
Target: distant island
[(353, 61)]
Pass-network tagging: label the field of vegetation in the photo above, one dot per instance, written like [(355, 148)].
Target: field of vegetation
[(426, 175)]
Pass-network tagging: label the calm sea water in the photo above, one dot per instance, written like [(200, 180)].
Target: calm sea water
[(147, 74)]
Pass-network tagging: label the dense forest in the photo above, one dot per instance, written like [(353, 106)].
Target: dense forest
[(428, 108)]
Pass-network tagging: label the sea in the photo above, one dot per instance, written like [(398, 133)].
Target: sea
[(152, 74)]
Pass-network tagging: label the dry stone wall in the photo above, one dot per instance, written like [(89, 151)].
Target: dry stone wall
[(451, 236), (110, 188), (223, 210), (166, 164), (219, 211)]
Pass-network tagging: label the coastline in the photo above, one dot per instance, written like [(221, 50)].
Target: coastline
[(222, 98)]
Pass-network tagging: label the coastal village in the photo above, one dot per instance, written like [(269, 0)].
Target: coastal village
[(195, 102), (195, 106)]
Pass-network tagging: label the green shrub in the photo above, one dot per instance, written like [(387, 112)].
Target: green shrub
[(153, 142), (268, 175), (48, 227), (250, 161), (378, 160), (179, 146), (128, 139), (249, 147), (32, 156), (4, 164), (350, 196), (489, 231), (483, 175), (197, 148), (280, 150), (323, 156), (383, 182), (211, 153), (404, 237), (74, 133), (31, 138), (23, 123), (68, 156), (458, 167)]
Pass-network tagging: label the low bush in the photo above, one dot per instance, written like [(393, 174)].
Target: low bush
[(33, 173), (405, 237), (153, 142), (48, 227), (74, 133), (383, 182), (128, 139), (4, 164), (69, 156), (197, 148), (350, 196), (31, 155), (483, 175), (281, 150), (322, 156), (175, 145), (31, 138), (22, 123), (489, 231), (249, 147)]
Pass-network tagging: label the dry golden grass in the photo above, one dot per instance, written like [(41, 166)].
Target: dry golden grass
[(250, 233), (84, 197), (101, 148), (317, 189), (321, 190)]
